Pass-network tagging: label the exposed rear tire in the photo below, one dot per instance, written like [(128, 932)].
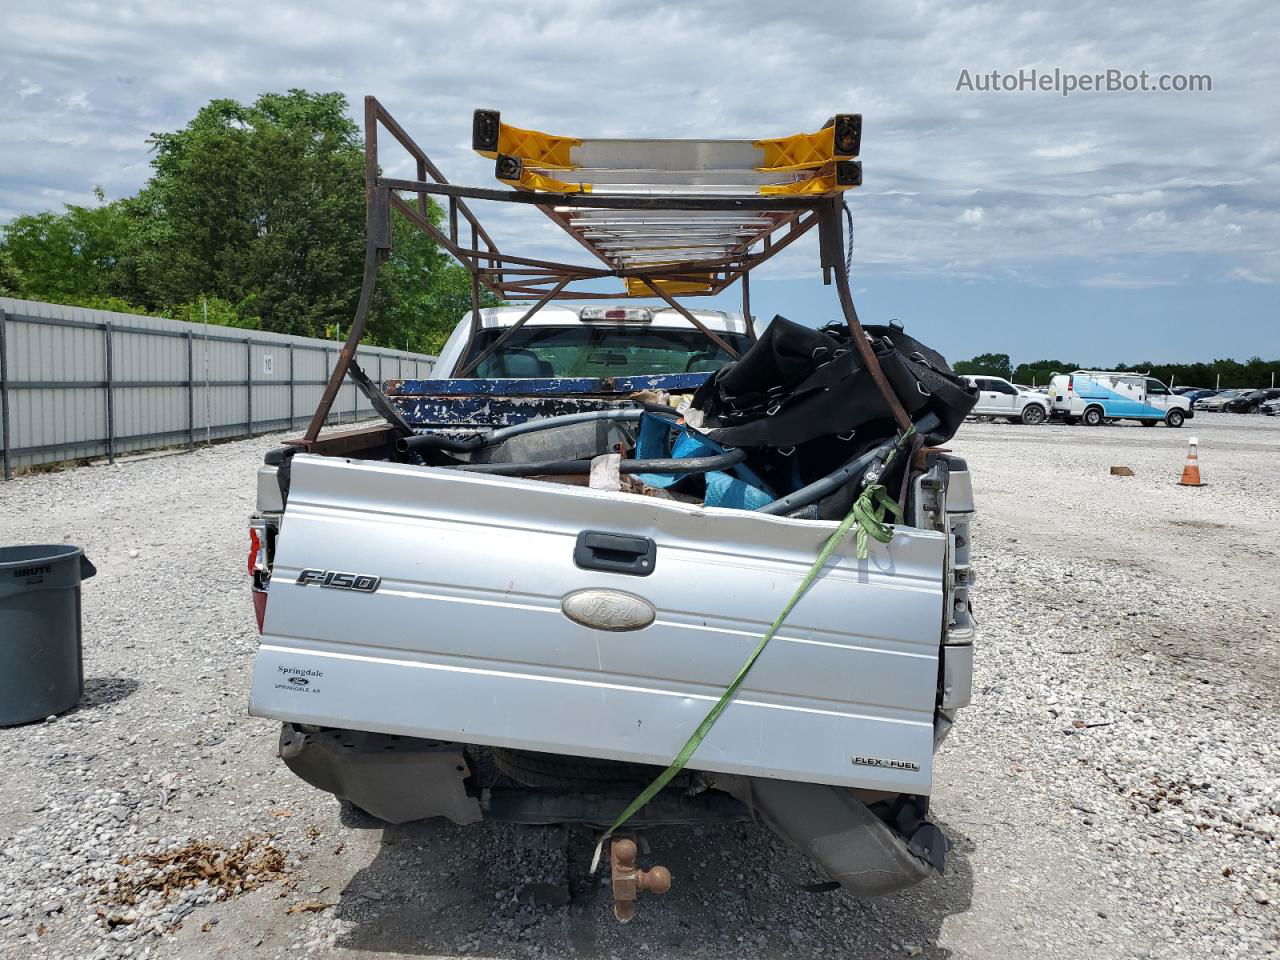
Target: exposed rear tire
[(1092, 416), (1033, 415), (1174, 418)]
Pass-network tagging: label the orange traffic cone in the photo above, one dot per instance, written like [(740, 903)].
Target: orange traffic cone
[(1191, 468)]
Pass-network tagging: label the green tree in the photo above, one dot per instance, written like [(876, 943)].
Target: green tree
[(262, 205), (256, 212), (1038, 372), (217, 311), (987, 364), (75, 256), (10, 276)]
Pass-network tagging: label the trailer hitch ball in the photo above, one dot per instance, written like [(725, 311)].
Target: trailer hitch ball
[(629, 880)]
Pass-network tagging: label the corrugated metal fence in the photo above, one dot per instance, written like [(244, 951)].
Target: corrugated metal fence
[(78, 383)]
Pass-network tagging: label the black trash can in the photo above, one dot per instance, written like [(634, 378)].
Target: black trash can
[(41, 670)]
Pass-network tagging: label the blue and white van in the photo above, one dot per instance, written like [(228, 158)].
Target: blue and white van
[(1092, 396)]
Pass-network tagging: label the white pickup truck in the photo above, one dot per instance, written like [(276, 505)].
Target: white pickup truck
[(997, 397), (440, 639)]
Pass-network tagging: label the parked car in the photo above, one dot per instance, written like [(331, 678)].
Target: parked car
[(1219, 400), (1271, 408), (997, 397), (1093, 396), (1197, 393), (1252, 401)]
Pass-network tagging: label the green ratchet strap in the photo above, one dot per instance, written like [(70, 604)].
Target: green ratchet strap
[(868, 512)]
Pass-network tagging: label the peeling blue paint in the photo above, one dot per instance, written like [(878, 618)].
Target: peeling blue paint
[(492, 411), (553, 386)]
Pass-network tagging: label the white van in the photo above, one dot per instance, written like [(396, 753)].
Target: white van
[(1092, 396), (997, 397)]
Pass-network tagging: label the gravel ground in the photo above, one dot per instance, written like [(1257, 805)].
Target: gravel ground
[(1112, 792)]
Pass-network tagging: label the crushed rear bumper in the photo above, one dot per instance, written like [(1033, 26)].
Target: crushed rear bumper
[(399, 779), (865, 855), (396, 779)]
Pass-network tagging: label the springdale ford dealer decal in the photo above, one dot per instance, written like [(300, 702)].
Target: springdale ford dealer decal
[(299, 679)]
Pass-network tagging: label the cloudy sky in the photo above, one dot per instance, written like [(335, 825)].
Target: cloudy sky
[(1095, 227)]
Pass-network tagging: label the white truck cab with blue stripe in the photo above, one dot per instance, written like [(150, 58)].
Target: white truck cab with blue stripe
[(1092, 396)]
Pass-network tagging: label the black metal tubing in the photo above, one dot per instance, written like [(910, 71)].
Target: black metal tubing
[(438, 441), (720, 461), (839, 477), (730, 458)]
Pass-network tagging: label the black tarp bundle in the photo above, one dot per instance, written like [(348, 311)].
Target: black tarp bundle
[(803, 402)]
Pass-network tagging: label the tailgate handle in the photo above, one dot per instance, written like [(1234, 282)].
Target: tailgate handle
[(615, 553)]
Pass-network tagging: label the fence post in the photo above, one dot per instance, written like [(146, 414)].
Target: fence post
[(191, 394), (111, 400), (4, 398), (290, 386), (328, 369), (248, 380)]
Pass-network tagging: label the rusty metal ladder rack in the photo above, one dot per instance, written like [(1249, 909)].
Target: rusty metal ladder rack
[(671, 218)]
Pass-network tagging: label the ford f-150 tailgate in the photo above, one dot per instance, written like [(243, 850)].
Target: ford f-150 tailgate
[(461, 617)]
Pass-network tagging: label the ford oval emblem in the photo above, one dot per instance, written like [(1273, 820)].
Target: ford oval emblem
[(608, 610)]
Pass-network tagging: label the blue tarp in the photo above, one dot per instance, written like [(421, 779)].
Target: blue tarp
[(661, 437)]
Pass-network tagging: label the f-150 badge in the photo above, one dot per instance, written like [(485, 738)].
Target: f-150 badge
[(608, 610), (337, 580)]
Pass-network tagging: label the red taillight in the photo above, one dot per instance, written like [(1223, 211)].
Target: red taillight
[(1071, 381), (254, 545), (258, 570)]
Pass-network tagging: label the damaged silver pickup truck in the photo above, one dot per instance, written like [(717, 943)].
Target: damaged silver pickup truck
[(522, 596)]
